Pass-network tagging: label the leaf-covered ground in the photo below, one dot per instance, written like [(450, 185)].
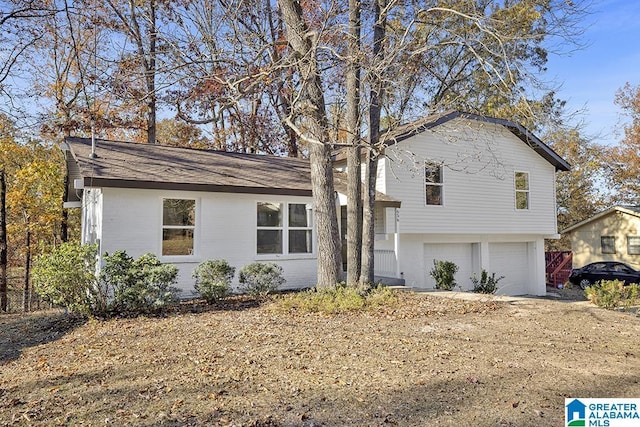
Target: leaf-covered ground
[(432, 360)]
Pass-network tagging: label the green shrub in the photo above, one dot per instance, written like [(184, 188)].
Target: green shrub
[(67, 277), (260, 278), (338, 299), (213, 278), (487, 284), (611, 294), (144, 285), (443, 272)]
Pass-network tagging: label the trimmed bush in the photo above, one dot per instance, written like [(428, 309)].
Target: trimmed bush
[(67, 277), (260, 278), (213, 279), (443, 272), (487, 284), (612, 294), (144, 285)]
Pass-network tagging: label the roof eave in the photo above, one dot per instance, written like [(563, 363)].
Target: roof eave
[(181, 186)]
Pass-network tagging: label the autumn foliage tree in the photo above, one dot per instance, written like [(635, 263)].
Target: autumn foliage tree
[(579, 192), (625, 164), (33, 173)]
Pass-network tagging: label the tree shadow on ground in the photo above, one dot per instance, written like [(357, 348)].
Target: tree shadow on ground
[(21, 331), (232, 303)]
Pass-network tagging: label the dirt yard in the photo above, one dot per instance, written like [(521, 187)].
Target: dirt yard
[(433, 360)]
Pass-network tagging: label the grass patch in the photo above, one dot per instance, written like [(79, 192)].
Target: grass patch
[(339, 299)]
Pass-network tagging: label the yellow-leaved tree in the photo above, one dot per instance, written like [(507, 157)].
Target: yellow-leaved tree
[(33, 176)]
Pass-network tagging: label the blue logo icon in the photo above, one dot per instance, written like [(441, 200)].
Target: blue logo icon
[(576, 414)]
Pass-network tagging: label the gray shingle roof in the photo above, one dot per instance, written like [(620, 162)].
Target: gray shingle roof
[(131, 165)]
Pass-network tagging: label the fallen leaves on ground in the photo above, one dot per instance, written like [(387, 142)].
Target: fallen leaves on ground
[(429, 360)]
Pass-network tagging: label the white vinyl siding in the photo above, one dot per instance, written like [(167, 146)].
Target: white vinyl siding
[(479, 165)]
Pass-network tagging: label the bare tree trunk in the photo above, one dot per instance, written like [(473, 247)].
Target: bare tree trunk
[(26, 295), (146, 55), (329, 262), (367, 276), (3, 241), (151, 75), (64, 222), (354, 178), (375, 108)]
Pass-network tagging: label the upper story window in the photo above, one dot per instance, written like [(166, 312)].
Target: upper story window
[(178, 226), (522, 190), (633, 245), (608, 244), (433, 184), (284, 228)]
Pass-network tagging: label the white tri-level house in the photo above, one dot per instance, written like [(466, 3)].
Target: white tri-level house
[(460, 187)]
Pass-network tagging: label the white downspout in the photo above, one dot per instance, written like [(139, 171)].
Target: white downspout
[(396, 242)]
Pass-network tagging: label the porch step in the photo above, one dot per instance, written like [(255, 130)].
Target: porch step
[(400, 288)]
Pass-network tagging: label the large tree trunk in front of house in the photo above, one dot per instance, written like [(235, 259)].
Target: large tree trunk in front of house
[(313, 108), (3, 241), (354, 177), (375, 109), (367, 276), (329, 245)]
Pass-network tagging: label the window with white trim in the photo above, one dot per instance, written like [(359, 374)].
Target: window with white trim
[(608, 244), (178, 226), (633, 245), (522, 190), (434, 185), (284, 228)]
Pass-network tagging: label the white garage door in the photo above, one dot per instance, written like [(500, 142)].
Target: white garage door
[(512, 261), (459, 253)]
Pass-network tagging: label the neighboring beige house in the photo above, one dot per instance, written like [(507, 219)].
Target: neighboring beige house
[(612, 235)]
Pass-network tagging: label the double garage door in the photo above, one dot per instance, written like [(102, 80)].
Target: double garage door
[(506, 259)]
